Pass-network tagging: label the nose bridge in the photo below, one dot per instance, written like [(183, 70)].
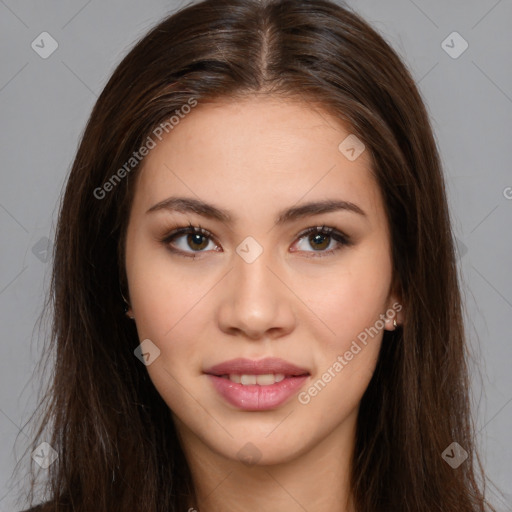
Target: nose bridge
[(254, 280)]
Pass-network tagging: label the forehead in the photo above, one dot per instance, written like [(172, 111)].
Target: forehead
[(254, 151)]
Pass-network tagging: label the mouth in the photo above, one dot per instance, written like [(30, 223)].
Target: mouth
[(266, 379), (255, 385)]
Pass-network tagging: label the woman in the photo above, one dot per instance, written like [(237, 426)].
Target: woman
[(256, 304)]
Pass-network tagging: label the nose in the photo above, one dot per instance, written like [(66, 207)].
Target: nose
[(255, 303)]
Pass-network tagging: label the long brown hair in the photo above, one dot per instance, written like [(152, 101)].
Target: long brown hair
[(114, 435)]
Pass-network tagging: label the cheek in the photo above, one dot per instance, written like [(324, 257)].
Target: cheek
[(169, 311), (163, 296), (173, 323), (347, 352), (349, 300)]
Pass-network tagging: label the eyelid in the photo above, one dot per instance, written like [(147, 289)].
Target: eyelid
[(173, 231), (316, 229)]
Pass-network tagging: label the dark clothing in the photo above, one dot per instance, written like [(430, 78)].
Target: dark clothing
[(37, 508)]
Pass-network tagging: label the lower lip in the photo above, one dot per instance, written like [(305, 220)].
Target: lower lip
[(255, 397)]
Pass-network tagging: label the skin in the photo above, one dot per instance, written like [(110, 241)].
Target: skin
[(255, 157)]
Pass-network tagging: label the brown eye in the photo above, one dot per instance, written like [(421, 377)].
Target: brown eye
[(197, 241), (322, 240), (189, 241), (319, 241)]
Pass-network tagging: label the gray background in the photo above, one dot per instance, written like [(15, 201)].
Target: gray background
[(44, 104)]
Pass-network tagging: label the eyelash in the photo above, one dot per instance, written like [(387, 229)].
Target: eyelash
[(342, 239)]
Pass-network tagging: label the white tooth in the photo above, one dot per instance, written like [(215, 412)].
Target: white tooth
[(266, 379), (279, 377), (247, 380), (235, 378)]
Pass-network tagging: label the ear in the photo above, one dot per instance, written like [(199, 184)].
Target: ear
[(395, 309), (127, 308)]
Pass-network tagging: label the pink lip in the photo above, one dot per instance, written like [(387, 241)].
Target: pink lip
[(255, 397), (256, 367)]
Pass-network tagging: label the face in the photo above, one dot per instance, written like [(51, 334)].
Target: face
[(255, 242)]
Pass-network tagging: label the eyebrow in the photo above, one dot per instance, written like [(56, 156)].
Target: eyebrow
[(189, 204)]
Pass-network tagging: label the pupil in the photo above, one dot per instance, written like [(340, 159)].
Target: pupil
[(197, 240), (320, 240)]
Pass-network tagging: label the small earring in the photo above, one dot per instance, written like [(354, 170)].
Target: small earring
[(127, 306), (395, 325)]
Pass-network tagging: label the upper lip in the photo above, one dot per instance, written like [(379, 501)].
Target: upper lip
[(268, 365)]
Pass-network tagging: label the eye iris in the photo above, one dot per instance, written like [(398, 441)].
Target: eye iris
[(194, 240), (320, 239)]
